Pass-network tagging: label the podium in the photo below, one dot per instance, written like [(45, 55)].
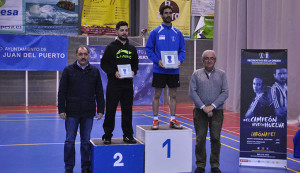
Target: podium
[(117, 157), (166, 149)]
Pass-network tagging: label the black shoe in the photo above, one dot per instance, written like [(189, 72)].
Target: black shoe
[(86, 171), (215, 170), (130, 140), (69, 171), (106, 140), (199, 170)]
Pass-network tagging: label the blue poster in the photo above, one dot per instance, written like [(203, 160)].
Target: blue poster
[(143, 90), (263, 122), (33, 52)]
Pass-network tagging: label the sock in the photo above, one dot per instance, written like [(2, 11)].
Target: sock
[(155, 117), (172, 117)]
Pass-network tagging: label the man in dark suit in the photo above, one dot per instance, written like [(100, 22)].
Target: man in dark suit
[(80, 89)]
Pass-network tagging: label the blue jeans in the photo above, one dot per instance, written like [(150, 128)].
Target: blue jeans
[(71, 125)]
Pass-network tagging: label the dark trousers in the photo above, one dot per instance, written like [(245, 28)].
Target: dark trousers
[(71, 125), (201, 124), (118, 92)]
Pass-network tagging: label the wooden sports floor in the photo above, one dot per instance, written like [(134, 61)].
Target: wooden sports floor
[(32, 139)]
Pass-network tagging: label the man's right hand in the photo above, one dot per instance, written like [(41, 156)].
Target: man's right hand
[(63, 115), (161, 64), (208, 109), (118, 75)]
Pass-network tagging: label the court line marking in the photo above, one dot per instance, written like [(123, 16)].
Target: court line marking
[(28, 117), (228, 131), (208, 138), (11, 145), (194, 127), (33, 119), (292, 170)]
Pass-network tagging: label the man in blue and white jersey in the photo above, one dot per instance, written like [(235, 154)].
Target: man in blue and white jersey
[(279, 93), (164, 40)]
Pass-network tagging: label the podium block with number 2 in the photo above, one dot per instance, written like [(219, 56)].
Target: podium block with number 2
[(166, 149), (117, 157)]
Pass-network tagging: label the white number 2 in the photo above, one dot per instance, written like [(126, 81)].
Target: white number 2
[(118, 162)]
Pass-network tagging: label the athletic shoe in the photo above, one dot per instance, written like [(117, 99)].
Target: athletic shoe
[(155, 125), (175, 124)]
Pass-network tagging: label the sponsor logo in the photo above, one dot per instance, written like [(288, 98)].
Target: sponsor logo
[(162, 37), (244, 160), (173, 38), (9, 12), (263, 55)]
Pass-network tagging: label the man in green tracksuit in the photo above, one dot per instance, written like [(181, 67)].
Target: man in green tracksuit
[(119, 52)]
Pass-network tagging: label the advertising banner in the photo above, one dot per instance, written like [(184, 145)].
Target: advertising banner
[(263, 122), (142, 82), (33, 52), (12, 16), (203, 7), (52, 17), (180, 17), (100, 17)]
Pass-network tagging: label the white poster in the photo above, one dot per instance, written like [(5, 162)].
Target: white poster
[(202, 7), (11, 16)]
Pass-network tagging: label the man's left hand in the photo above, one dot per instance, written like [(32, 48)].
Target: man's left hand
[(209, 108), (179, 63), (99, 116)]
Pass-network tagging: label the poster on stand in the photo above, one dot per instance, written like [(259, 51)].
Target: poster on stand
[(263, 122)]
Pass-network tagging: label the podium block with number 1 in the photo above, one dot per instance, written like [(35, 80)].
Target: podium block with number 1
[(166, 149)]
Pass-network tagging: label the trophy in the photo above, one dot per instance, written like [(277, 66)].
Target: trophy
[(125, 71), (169, 59)]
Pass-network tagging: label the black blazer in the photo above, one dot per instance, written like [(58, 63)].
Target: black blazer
[(80, 90)]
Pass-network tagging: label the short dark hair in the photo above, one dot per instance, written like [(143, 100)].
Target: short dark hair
[(162, 9), (259, 77), (83, 46), (121, 23), (278, 67)]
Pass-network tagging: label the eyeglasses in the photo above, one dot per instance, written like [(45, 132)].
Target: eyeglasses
[(85, 54), (209, 58)]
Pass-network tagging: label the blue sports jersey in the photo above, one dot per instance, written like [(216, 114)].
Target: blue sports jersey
[(297, 144), (165, 38)]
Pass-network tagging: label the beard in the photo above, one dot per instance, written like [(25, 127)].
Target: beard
[(122, 38), (167, 19)]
